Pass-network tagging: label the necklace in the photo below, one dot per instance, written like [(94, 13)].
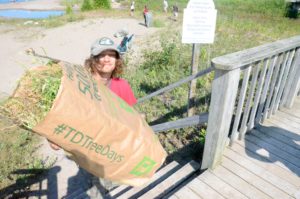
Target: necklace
[(106, 81)]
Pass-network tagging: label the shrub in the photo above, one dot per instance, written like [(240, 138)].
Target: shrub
[(102, 4), (86, 5)]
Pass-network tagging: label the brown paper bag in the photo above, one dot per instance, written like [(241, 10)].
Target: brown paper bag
[(106, 136)]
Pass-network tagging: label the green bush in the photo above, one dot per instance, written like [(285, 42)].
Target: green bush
[(69, 10), (86, 5), (102, 4)]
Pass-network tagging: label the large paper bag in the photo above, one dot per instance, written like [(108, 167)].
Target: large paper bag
[(106, 136)]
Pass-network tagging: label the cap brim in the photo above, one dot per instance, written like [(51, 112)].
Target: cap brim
[(98, 51)]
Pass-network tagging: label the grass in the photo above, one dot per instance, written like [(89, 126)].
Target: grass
[(18, 152), (31, 101), (241, 24)]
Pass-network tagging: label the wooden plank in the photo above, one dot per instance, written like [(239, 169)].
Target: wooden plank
[(294, 131), (185, 192), (247, 108), (265, 89), (295, 82), (277, 143), (268, 165), (279, 129), (272, 87), (172, 181), (203, 190), (258, 94), (274, 150), (176, 84), (295, 113), (290, 79), (272, 178), (277, 86), (279, 134), (288, 116), (173, 197), (224, 90), (220, 186), (159, 176), (254, 180), (249, 56), (286, 121), (181, 123), (238, 183), (119, 190), (242, 95), (284, 78), (270, 157)]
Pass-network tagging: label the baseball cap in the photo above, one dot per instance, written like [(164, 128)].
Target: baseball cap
[(103, 44)]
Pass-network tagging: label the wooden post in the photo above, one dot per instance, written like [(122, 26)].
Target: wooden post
[(224, 91), (194, 70)]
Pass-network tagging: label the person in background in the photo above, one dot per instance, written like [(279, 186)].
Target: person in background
[(132, 8), (175, 12), (166, 5), (145, 13)]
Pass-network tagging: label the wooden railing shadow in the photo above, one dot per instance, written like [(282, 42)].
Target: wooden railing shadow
[(179, 158), (274, 145), (20, 189)]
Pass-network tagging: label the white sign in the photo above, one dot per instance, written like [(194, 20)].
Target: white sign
[(199, 22)]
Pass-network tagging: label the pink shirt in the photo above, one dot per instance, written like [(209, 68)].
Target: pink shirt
[(122, 88)]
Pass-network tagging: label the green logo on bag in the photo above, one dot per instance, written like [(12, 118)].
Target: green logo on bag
[(143, 167)]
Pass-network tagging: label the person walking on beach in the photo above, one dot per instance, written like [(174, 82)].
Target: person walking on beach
[(166, 5), (145, 13), (132, 8), (175, 12)]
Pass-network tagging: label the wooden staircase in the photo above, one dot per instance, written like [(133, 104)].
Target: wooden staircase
[(164, 182)]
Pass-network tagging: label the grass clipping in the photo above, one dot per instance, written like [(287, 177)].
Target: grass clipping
[(33, 97)]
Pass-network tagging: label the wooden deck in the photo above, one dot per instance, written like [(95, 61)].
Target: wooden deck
[(264, 165)]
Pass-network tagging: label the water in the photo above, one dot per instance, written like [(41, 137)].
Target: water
[(10, 1), (29, 14)]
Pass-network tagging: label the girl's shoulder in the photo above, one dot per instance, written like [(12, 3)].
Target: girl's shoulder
[(119, 80)]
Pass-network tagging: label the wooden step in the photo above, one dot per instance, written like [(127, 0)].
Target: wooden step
[(172, 181), (124, 191)]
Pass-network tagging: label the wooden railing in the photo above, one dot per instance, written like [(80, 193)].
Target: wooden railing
[(248, 87), (183, 122)]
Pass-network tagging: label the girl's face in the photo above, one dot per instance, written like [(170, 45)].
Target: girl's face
[(107, 61)]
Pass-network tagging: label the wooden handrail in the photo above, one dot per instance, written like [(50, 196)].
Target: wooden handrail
[(246, 57), (176, 84)]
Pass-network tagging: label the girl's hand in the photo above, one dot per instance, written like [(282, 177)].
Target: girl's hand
[(54, 146)]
